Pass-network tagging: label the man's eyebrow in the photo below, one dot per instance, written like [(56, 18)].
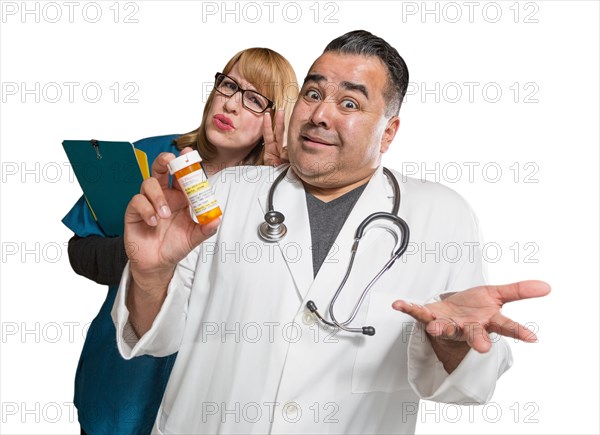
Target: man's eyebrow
[(315, 78), (355, 87), (346, 85)]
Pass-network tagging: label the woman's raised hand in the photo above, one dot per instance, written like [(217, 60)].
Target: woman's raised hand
[(275, 143)]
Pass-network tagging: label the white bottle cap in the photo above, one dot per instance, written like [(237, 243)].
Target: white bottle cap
[(183, 161)]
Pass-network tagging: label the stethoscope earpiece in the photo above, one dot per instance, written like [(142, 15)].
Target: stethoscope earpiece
[(368, 330), (312, 307)]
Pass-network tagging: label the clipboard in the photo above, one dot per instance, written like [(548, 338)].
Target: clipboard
[(110, 174)]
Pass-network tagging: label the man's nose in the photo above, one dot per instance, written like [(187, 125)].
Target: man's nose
[(322, 113)]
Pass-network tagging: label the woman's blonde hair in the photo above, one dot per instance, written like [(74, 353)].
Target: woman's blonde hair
[(272, 76)]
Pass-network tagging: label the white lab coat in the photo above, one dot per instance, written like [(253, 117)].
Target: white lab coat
[(252, 360)]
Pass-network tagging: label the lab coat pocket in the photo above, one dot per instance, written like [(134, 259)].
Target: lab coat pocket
[(381, 361)]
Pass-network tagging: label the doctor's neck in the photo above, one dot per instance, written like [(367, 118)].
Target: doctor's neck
[(329, 187)]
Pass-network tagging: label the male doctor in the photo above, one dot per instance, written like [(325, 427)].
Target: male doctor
[(252, 358)]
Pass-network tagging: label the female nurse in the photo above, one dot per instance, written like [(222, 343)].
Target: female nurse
[(243, 124)]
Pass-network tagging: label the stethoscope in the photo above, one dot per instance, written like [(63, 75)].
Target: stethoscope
[(274, 230)]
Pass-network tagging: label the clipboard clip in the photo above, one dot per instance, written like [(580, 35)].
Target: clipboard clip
[(96, 146)]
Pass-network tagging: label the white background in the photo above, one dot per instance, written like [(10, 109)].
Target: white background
[(546, 228)]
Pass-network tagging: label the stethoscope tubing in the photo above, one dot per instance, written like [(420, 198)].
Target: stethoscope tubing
[(273, 230)]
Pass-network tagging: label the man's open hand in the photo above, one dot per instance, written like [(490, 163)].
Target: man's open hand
[(468, 316)]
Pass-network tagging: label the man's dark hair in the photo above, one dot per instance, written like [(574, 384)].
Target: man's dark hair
[(364, 43)]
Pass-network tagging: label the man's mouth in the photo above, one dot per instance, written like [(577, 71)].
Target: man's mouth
[(317, 140)]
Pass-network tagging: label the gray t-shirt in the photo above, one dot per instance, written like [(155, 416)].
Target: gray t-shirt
[(326, 220)]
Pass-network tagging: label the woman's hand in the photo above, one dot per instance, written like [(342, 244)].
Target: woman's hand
[(275, 142)]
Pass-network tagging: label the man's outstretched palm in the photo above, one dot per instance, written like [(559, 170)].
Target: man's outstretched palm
[(470, 315)]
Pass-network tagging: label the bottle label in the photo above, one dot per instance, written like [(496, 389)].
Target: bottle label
[(198, 191)]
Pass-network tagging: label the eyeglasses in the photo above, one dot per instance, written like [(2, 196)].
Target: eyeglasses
[(251, 100)]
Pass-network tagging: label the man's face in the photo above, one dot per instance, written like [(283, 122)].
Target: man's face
[(338, 129)]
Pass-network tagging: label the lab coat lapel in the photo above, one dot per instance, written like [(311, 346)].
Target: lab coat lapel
[(377, 196), (289, 198)]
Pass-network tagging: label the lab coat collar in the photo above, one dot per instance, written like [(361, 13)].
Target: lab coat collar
[(289, 198)]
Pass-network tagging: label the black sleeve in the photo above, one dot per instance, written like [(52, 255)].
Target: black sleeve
[(101, 259)]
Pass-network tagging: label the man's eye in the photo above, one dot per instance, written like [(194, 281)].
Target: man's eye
[(349, 104), (312, 94)]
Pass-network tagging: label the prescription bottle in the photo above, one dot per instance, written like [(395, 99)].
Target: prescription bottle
[(194, 183)]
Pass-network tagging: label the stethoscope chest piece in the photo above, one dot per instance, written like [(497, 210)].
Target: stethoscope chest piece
[(272, 229)]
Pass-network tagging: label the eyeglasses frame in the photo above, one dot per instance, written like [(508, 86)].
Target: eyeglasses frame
[(270, 105)]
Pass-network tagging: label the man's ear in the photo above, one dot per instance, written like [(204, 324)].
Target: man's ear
[(391, 129)]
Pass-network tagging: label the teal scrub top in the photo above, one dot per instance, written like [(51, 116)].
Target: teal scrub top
[(113, 395)]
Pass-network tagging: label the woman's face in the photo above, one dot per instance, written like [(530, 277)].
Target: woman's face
[(229, 125)]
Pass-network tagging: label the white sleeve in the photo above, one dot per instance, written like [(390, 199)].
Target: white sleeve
[(472, 382), (166, 333)]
